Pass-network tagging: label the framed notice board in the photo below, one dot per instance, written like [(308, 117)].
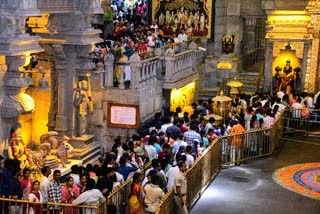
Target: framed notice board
[(123, 115)]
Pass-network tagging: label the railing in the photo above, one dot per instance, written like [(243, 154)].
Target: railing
[(254, 143), (119, 196), (253, 58), (300, 121), (261, 74), (12, 206), (160, 63), (142, 72)]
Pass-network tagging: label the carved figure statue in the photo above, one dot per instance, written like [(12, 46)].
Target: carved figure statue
[(287, 80), (20, 151), (83, 102), (64, 150), (227, 44)]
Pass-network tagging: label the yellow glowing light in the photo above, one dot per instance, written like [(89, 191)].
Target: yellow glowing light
[(27, 102), (281, 59), (182, 97), (224, 65), (289, 15), (28, 58), (289, 12)]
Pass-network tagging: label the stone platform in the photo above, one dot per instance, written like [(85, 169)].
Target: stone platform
[(85, 151)]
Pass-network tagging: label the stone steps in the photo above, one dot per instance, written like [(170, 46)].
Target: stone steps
[(207, 93)]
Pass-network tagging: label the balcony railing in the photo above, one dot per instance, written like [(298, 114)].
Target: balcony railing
[(13, 206), (160, 64)]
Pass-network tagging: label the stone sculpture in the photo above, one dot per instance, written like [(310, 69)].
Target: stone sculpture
[(20, 151), (83, 102), (64, 150)]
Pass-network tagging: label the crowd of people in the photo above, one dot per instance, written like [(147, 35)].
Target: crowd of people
[(172, 144)]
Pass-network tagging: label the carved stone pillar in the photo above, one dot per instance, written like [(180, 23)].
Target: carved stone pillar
[(109, 60), (267, 85), (61, 71), (304, 65), (68, 29), (135, 64), (159, 52), (170, 67)]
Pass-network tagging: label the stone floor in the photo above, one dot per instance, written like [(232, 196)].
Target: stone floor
[(250, 189)]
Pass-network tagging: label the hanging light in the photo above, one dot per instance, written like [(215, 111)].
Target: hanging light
[(43, 82)]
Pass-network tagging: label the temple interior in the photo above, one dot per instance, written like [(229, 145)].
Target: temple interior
[(76, 75)]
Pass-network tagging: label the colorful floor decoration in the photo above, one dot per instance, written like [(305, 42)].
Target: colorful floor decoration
[(300, 178)]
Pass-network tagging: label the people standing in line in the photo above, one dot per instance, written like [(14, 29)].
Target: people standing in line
[(35, 196), (236, 141), (45, 182), (15, 191), (136, 202), (153, 195), (90, 197), (54, 191), (180, 189), (68, 194), (26, 182)]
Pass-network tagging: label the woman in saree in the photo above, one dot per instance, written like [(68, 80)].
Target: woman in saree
[(68, 194), (35, 196), (135, 202), (26, 182)]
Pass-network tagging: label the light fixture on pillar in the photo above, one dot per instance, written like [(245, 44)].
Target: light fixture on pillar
[(43, 82)]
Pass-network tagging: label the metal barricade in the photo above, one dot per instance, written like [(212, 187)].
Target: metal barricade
[(12, 206), (118, 198)]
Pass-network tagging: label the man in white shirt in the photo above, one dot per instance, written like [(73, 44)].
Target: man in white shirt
[(154, 194), (172, 172), (280, 94), (182, 36), (45, 182), (160, 173), (150, 149), (308, 100), (75, 174), (178, 143), (297, 106), (210, 124), (91, 197), (190, 158)]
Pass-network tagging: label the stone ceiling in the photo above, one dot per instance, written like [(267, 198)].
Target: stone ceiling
[(291, 4)]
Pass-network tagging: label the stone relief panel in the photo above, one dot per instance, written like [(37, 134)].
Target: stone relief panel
[(279, 45)]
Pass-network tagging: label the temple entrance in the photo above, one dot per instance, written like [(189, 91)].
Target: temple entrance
[(287, 71)]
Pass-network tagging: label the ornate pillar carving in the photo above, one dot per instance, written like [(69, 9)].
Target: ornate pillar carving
[(304, 64), (68, 30)]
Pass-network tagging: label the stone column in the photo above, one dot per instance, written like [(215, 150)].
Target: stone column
[(61, 70), (135, 64), (304, 64), (109, 60), (159, 52), (170, 64), (267, 85)]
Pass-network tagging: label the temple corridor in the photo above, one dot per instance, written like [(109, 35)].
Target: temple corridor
[(249, 188)]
